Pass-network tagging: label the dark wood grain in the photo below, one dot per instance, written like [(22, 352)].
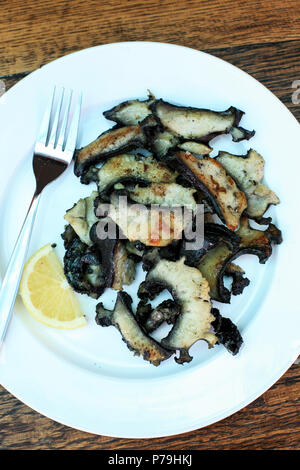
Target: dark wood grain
[(271, 422), (262, 38), (36, 31), (276, 65)]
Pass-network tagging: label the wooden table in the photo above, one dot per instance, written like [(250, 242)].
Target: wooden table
[(261, 37)]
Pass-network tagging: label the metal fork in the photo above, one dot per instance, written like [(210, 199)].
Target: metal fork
[(53, 153)]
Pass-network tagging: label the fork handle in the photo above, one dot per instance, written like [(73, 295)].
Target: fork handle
[(10, 284)]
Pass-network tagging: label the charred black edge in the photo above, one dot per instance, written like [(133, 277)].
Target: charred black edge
[(227, 235), (115, 109), (178, 165), (77, 284), (262, 220), (242, 156), (193, 257), (137, 258), (274, 234), (238, 114), (152, 255), (247, 135), (97, 202), (93, 232), (107, 249), (145, 314), (90, 175), (152, 127), (103, 316), (81, 168), (148, 290), (239, 281), (183, 357), (68, 235), (108, 320), (126, 299), (213, 235), (106, 317), (126, 181), (224, 293), (226, 332)]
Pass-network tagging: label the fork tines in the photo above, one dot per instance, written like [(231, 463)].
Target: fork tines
[(55, 135)]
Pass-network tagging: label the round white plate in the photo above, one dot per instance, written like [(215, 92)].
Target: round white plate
[(87, 378)]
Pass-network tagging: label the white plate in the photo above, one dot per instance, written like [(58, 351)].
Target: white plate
[(87, 378)]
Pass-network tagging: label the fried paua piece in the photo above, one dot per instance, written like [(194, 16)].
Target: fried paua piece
[(215, 262), (164, 194), (239, 282), (131, 112), (82, 217), (248, 172), (118, 267), (132, 333), (151, 318), (226, 332), (199, 124), (208, 175), (214, 234), (259, 241), (109, 143), (82, 265), (132, 169), (156, 226), (191, 292)]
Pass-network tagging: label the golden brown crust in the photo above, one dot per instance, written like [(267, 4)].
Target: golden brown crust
[(210, 173)]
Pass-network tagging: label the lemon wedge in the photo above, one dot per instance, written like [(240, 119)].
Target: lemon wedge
[(46, 293)]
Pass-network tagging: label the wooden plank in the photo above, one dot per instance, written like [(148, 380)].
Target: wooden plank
[(276, 65), (271, 422), (35, 32)]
